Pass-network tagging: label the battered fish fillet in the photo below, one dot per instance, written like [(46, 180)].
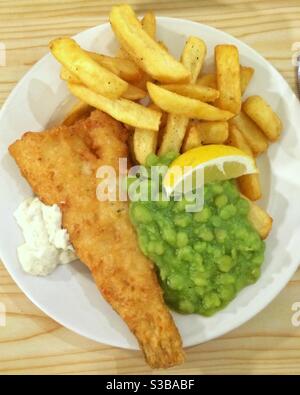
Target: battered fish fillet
[(60, 165)]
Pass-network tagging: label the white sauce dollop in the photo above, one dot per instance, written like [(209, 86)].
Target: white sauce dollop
[(46, 244)]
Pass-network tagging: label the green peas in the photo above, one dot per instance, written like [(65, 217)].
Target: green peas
[(199, 291), (200, 246), (185, 253), (169, 235), (226, 292), (220, 235), (168, 256), (182, 220), (228, 211), (142, 214), (254, 242), (231, 190), (163, 273), (205, 234), (168, 157), (255, 273), (199, 262), (159, 248), (210, 248), (207, 195), (234, 253), (152, 229), (203, 258), (151, 246), (152, 160), (217, 252), (180, 206), (225, 279), (186, 307), (216, 188), (216, 221), (175, 281), (221, 201), (225, 263), (258, 259), (241, 233), (182, 239), (242, 206), (211, 300), (240, 283), (197, 268), (200, 280), (203, 215)]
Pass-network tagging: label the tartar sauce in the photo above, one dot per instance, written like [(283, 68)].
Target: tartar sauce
[(46, 244)]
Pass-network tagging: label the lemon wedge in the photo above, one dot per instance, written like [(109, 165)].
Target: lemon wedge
[(218, 162)]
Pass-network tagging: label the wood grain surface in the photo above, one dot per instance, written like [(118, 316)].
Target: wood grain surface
[(33, 343)]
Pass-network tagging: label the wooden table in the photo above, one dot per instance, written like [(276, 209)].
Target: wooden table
[(33, 343)]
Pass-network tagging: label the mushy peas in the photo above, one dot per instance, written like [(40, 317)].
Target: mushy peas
[(205, 258)]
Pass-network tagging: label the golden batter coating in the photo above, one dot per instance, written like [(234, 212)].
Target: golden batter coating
[(60, 165)]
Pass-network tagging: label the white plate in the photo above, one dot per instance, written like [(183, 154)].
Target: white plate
[(69, 295)]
